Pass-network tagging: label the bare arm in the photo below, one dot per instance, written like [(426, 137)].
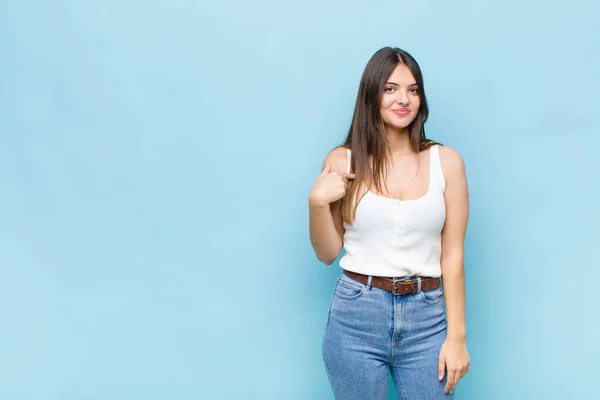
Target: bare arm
[(326, 226), (454, 356), (453, 236)]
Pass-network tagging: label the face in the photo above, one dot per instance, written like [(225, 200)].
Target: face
[(400, 101)]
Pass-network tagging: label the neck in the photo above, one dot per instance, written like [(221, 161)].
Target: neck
[(399, 142)]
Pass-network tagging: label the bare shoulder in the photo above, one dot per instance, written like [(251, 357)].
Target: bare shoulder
[(337, 159), (452, 163)]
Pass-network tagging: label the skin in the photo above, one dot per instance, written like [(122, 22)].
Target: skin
[(325, 207)]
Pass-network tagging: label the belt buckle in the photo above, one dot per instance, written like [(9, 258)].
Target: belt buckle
[(413, 283), (395, 289)]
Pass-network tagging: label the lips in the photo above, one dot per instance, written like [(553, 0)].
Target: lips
[(401, 111)]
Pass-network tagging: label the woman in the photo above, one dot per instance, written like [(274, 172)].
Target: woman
[(398, 204)]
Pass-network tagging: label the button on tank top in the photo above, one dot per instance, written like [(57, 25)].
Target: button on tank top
[(396, 238)]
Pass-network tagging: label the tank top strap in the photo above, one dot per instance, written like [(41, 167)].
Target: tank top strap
[(349, 162), (436, 174)]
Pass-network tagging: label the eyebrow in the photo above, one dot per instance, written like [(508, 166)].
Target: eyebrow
[(395, 84)]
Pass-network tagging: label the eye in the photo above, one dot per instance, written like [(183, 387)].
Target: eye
[(389, 89), (414, 90)]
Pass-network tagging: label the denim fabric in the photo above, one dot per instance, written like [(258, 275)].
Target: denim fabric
[(370, 331)]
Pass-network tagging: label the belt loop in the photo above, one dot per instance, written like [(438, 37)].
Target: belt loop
[(369, 282), (418, 284)]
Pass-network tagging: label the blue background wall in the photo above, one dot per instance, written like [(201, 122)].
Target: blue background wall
[(155, 164)]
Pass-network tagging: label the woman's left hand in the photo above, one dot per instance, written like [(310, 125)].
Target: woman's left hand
[(455, 358)]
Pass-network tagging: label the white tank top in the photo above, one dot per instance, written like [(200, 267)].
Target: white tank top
[(396, 238)]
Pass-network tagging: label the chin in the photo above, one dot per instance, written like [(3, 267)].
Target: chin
[(399, 126), (399, 123)]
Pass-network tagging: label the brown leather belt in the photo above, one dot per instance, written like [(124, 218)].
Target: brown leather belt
[(396, 287)]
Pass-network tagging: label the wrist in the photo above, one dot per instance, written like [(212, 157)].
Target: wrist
[(456, 336), (316, 203)]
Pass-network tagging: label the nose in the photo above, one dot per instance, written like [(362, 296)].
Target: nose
[(402, 98)]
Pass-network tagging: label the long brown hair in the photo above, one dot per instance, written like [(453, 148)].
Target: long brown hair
[(366, 136)]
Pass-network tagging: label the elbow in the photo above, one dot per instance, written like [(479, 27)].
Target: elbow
[(329, 258), (452, 264), (327, 254), (326, 260)]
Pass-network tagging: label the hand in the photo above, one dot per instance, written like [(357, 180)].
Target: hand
[(455, 358), (329, 186)]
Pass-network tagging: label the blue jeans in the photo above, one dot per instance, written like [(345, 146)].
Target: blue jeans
[(370, 331)]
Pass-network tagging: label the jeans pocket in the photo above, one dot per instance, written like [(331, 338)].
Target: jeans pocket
[(433, 296), (328, 317), (348, 289)]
